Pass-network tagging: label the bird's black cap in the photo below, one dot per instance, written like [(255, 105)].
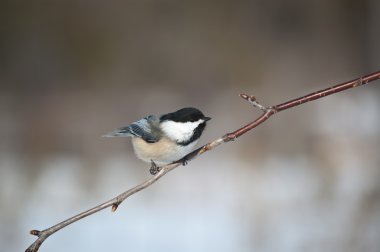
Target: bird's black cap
[(185, 115)]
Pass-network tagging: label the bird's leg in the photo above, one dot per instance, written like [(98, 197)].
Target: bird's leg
[(154, 169)]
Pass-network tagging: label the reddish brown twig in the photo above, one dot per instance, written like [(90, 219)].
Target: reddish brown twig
[(267, 112)]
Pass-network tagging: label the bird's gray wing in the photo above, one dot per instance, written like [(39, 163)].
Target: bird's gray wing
[(143, 128)]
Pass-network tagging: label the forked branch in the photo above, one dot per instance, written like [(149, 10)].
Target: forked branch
[(267, 112)]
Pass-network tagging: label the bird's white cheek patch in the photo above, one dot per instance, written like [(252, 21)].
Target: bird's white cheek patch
[(180, 132)]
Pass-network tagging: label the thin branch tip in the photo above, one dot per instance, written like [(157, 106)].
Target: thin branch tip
[(253, 101), (35, 232), (248, 97), (244, 96)]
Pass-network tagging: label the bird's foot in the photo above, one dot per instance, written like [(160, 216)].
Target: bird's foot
[(154, 169)]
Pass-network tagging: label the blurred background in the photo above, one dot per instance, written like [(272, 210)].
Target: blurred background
[(306, 180)]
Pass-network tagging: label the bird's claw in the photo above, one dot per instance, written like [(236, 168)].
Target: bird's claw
[(184, 161), (154, 169)]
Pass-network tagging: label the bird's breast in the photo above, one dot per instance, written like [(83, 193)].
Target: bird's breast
[(162, 152)]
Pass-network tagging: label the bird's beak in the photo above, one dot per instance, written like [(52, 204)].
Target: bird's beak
[(206, 118)]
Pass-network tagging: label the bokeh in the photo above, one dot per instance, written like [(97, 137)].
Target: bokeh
[(306, 180)]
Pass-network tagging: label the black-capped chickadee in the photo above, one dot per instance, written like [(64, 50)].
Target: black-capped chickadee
[(164, 139)]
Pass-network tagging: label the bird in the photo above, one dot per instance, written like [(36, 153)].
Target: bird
[(164, 139)]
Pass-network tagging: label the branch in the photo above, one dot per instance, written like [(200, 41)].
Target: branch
[(267, 112)]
